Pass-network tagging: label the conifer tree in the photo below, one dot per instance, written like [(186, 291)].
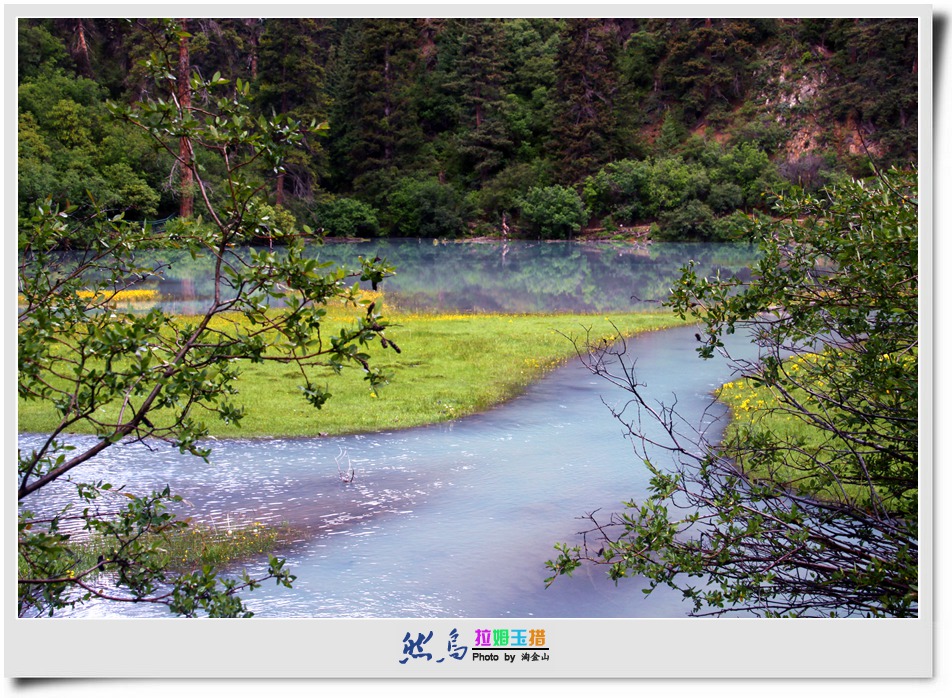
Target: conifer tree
[(708, 62), (291, 61), (585, 123), (373, 121), (483, 140), (530, 49)]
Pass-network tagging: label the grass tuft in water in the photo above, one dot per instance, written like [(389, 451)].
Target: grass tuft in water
[(199, 544)]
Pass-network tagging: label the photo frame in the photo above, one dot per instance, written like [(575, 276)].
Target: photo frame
[(538, 648)]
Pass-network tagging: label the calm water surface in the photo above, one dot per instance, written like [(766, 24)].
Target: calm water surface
[(455, 520), (509, 277)]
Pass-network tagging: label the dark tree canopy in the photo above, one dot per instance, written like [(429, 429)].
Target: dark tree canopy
[(483, 105)]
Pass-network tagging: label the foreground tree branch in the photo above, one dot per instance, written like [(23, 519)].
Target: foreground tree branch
[(809, 505), (152, 377)]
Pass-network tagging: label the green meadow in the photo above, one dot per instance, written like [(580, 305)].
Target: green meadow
[(450, 365)]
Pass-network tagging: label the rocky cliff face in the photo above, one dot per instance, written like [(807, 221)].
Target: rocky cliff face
[(844, 89)]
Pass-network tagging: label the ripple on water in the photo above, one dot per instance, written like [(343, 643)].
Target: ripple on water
[(407, 539)]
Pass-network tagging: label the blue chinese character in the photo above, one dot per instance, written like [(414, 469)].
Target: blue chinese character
[(455, 651), (414, 648), (518, 638)]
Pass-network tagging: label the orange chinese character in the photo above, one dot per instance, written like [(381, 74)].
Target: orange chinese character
[(537, 637)]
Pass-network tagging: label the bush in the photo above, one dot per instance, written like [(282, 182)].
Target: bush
[(89, 362), (751, 169), (809, 506), (346, 217), (554, 212), (266, 222), (726, 197), (129, 192), (692, 221), (617, 190), (673, 182), (504, 192), (180, 228), (763, 134), (426, 208), (736, 226)]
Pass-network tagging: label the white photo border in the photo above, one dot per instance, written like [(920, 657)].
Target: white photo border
[(580, 648)]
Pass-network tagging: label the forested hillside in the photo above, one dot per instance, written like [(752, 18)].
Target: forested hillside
[(456, 127)]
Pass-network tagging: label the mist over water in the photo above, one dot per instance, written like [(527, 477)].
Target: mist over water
[(499, 277)]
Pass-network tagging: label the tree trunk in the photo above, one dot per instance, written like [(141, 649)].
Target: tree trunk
[(279, 185), (186, 203), (279, 190), (387, 107), (253, 26), (82, 49)]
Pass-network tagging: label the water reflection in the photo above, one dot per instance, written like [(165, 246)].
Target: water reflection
[(504, 277)]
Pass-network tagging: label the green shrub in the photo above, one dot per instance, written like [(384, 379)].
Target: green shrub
[(725, 197), (736, 226), (504, 192), (673, 182), (426, 208), (554, 212), (692, 221), (751, 169), (764, 134), (617, 191), (346, 217), (179, 228)]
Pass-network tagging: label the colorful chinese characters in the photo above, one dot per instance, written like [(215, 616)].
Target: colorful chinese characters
[(510, 637), (486, 648)]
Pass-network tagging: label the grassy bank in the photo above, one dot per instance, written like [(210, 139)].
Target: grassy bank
[(451, 365), (801, 456), (191, 547)]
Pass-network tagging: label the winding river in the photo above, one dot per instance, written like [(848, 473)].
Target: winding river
[(458, 519)]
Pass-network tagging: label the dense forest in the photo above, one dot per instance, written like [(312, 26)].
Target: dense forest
[(674, 128)]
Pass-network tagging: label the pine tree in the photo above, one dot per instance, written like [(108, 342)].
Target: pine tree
[(483, 141), (585, 125), (373, 124), (531, 51), (707, 66), (290, 64), (874, 81)]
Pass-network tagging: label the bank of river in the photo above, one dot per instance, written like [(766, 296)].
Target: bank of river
[(453, 520)]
